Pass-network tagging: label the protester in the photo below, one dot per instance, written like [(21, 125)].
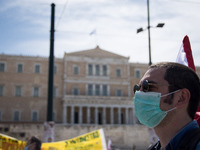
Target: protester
[(167, 99), (33, 144)]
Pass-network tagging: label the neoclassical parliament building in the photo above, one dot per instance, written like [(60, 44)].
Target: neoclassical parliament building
[(90, 87)]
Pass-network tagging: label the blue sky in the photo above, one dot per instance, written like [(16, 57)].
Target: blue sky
[(25, 26)]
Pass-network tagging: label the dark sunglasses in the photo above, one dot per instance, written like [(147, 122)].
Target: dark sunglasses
[(145, 86)]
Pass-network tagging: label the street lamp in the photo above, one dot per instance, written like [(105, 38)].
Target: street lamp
[(160, 25)]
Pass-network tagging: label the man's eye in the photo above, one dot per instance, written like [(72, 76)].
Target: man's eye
[(152, 87)]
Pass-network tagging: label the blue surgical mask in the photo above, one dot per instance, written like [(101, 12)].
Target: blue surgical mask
[(147, 108)]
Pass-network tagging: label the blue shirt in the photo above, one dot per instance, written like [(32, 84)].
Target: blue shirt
[(174, 142)]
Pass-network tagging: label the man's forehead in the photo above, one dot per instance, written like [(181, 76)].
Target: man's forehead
[(154, 74), (155, 71)]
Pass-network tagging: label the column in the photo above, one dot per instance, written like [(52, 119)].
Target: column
[(96, 115), (88, 115), (119, 115), (72, 114), (93, 89), (111, 115), (104, 115), (64, 113), (127, 116), (80, 115), (129, 85)]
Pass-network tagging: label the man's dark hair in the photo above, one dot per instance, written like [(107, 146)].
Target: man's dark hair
[(180, 76), (35, 140)]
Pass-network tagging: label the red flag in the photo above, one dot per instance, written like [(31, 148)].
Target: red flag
[(185, 57), (185, 54)]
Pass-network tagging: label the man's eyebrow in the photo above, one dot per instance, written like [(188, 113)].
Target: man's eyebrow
[(153, 82), (149, 81)]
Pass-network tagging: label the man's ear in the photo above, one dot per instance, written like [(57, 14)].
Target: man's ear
[(183, 98)]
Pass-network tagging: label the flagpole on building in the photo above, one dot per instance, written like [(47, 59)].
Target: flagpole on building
[(94, 33)]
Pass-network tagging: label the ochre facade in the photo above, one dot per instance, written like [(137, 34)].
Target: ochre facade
[(90, 87)]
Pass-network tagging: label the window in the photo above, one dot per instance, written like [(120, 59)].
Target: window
[(55, 69), (118, 73), (137, 74), (2, 67), (1, 90), (118, 92), (90, 70), (75, 91), (16, 116), (76, 70), (37, 68), (20, 68), (104, 70), (34, 116), (90, 89), (18, 91), (105, 92), (36, 92), (97, 89), (97, 67)]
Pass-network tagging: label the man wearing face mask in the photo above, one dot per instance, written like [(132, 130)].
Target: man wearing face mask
[(167, 99)]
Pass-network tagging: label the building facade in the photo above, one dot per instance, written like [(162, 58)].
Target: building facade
[(90, 87), (23, 88)]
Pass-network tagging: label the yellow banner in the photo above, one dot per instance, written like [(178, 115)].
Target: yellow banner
[(91, 141), (10, 143)]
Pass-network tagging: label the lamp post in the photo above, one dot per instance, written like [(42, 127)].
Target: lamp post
[(160, 25), (149, 37)]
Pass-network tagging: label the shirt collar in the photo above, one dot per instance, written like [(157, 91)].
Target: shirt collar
[(174, 142)]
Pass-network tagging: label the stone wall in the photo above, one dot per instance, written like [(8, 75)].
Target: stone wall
[(122, 136)]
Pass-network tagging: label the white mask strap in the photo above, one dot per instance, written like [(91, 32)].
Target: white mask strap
[(167, 95), (170, 109), (170, 93)]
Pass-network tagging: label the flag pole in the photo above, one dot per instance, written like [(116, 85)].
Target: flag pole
[(49, 125)]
